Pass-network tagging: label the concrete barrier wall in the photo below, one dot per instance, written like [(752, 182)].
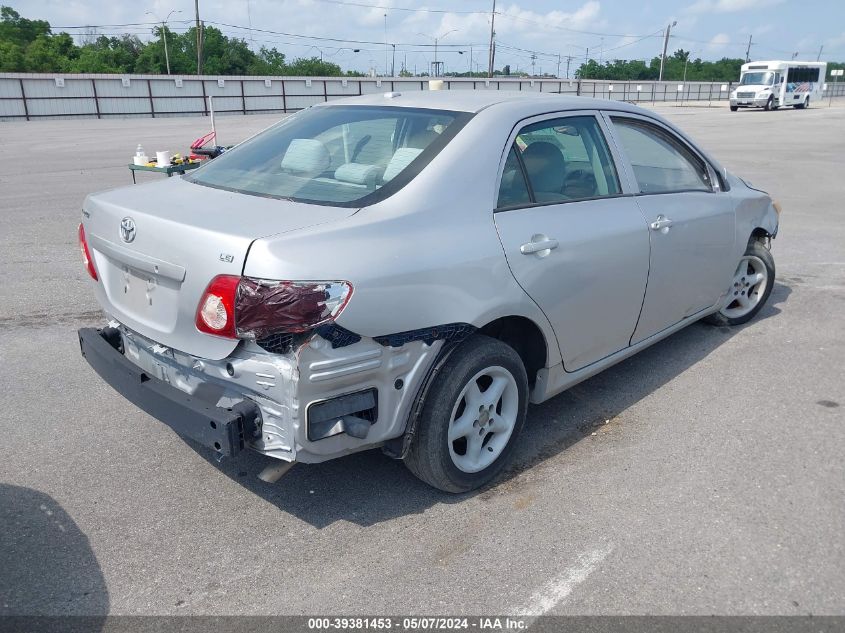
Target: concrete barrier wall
[(32, 96)]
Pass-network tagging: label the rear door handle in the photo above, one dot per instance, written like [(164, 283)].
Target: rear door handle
[(662, 222), (537, 245)]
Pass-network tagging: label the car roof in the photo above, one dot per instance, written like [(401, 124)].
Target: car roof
[(477, 100)]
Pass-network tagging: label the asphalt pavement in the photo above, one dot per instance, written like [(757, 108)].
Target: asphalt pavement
[(702, 476)]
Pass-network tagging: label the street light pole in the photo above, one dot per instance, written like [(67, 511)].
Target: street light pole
[(436, 40), (164, 35)]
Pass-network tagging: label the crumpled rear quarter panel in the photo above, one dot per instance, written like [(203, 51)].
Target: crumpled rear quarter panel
[(284, 385)]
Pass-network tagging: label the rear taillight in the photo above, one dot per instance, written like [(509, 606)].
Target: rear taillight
[(242, 307), (265, 307), (216, 311), (86, 254)]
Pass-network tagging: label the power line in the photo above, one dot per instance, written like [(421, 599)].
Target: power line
[(115, 26), (409, 9), (644, 37), (563, 28), (315, 38), (330, 39)]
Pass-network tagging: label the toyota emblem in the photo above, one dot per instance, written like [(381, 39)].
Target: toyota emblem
[(127, 229)]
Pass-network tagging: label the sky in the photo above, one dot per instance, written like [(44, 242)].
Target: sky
[(543, 29)]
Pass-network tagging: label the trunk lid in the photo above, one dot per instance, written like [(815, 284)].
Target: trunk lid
[(157, 246)]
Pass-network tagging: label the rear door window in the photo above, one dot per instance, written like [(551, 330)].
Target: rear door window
[(661, 162), (562, 160)]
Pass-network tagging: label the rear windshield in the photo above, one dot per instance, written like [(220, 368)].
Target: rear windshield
[(337, 155)]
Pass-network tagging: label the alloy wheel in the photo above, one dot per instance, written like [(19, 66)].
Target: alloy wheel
[(483, 419)]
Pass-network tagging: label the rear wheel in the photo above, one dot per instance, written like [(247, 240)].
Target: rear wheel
[(472, 416), (750, 287)]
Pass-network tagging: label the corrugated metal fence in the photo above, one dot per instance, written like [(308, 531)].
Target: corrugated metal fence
[(32, 96)]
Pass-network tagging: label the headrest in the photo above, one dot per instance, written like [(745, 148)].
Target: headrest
[(306, 157), (403, 157), (357, 174)]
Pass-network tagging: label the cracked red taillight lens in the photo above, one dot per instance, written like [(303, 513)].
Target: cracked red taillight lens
[(243, 307), (265, 307), (86, 254)]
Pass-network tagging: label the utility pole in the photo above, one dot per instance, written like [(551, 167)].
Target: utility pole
[(665, 46), (385, 43), (492, 51), (568, 59), (533, 63), (748, 50), (558, 66), (393, 62), (819, 56), (199, 37)]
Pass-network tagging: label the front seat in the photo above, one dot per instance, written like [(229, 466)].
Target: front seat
[(546, 168)]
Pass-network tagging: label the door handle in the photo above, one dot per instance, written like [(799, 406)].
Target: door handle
[(538, 245), (661, 223)]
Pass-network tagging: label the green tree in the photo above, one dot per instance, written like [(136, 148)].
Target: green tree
[(48, 53), (724, 69), (269, 61), (11, 57), (18, 30), (312, 67), (107, 55)]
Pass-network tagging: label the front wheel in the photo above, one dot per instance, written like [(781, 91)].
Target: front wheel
[(750, 287), (471, 417), (734, 108), (769, 103)]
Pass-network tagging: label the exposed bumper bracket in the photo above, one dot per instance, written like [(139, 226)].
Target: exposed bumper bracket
[(224, 430)]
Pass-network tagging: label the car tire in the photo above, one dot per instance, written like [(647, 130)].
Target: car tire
[(750, 287), (769, 104), (441, 454), (734, 108)]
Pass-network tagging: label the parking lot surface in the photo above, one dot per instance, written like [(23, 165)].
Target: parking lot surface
[(703, 476)]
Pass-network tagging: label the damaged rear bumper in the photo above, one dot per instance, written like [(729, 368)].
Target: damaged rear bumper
[(314, 400), (225, 430)]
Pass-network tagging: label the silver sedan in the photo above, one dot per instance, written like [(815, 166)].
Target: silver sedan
[(409, 271)]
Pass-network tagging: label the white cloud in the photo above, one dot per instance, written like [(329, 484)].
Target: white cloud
[(834, 43), (718, 42), (729, 6)]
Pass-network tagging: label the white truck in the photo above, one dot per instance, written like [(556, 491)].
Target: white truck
[(773, 84)]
